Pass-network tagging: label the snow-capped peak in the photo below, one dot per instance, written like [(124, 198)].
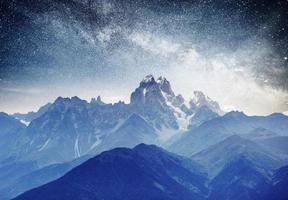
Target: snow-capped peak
[(159, 94), (148, 79), (151, 90), (161, 80), (165, 86), (200, 99), (161, 83)]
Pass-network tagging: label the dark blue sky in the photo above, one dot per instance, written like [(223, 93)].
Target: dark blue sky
[(235, 51)]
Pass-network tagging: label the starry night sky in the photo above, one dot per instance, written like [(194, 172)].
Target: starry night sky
[(235, 51)]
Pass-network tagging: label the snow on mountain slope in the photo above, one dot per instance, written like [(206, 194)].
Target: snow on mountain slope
[(26, 118), (148, 101), (9, 125), (69, 128), (157, 96), (200, 100)]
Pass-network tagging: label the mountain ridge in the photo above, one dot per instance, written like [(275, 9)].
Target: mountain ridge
[(82, 126), (151, 183)]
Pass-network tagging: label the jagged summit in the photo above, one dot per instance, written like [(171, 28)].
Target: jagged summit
[(148, 92), (98, 101), (156, 102), (154, 107), (158, 94), (67, 99), (165, 86), (71, 128), (161, 82), (66, 102), (147, 80), (235, 114), (150, 87), (200, 99), (199, 96)]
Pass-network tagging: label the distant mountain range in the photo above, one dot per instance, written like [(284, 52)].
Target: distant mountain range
[(238, 153), (26, 118), (232, 123), (70, 127)]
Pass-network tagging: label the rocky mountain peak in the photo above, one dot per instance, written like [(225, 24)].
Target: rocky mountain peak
[(200, 99), (147, 81), (165, 86), (98, 101), (147, 92)]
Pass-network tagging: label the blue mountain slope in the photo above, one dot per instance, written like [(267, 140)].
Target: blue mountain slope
[(279, 189), (60, 134), (30, 116), (277, 145), (216, 157), (238, 168), (29, 176), (133, 131), (239, 179), (9, 125), (11, 130), (233, 123), (12, 137), (145, 172), (10, 171), (201, 115)]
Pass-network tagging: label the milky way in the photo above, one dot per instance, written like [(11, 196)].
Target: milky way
[(235, 51)]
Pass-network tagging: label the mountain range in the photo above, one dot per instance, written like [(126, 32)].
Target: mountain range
[(215, 155), (232, 123), (144, 172), (149, 172), (153, 115)]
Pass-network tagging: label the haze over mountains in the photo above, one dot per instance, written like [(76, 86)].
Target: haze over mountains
[(154, 115), (238, 153)]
